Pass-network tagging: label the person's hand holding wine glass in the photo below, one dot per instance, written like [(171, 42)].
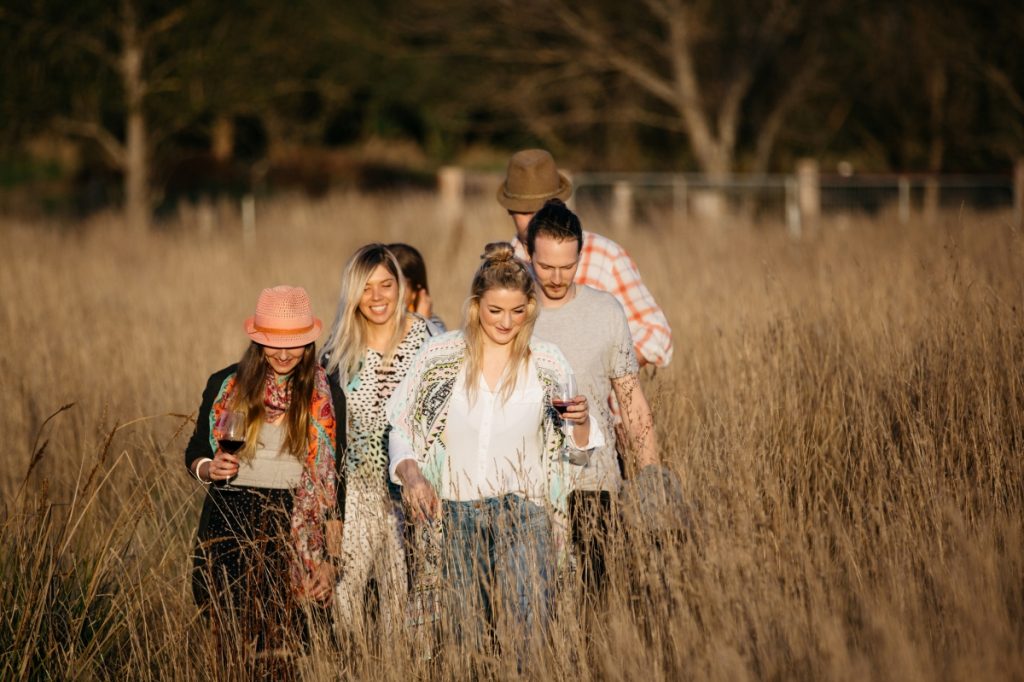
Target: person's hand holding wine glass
[(230, 434), (572, 405)]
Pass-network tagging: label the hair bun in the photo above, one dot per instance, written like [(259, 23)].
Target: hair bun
[(498, 252)]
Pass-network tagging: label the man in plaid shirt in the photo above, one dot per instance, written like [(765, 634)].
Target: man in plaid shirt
[(531, 180)]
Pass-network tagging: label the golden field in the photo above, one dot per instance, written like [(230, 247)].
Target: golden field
[(846, 412)]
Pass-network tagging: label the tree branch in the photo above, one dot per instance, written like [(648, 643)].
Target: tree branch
[(92, 130), (772, 125), (688, 99), (1004, 84), (604, 50), (660, 9), (164, 23), (729, 114), (93, 46)]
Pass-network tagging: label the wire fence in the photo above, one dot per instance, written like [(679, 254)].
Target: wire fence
[(793, 199), (798, 200)]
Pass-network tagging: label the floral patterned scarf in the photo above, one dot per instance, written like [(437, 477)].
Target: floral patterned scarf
[(315, 496), (277, 396)]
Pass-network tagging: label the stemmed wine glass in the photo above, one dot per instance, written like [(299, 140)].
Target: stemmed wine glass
[(563, 394), (561, 398), (230, 434)]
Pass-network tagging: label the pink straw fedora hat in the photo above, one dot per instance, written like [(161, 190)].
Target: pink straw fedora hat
[(532, 179), (283, 319)]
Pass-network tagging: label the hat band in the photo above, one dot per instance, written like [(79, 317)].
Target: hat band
[(272, 330), (510, 195)]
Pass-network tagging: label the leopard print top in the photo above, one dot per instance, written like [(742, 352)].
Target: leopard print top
[(366, 396)]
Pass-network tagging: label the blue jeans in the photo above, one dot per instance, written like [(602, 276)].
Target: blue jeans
[(498, 572)]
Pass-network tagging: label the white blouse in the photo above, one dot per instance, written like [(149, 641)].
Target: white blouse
[(495, 447)]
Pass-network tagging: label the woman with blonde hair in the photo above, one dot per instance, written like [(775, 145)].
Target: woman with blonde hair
[(371, 346), (264, 438), (477, 443)]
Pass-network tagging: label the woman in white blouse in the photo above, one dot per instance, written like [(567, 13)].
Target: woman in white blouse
[(476, 443)]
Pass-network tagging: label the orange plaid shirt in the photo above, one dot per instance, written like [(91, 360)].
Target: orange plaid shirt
[(606, 266)]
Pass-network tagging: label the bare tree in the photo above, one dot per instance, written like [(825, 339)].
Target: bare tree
[(119, 41), (694, 67), (128, 76)]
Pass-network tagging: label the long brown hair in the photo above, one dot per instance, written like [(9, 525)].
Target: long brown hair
[(500, 270), (414, 268), (250, 387)]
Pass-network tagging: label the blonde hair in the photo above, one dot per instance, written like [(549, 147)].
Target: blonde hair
[(500, 270), (347, 342)]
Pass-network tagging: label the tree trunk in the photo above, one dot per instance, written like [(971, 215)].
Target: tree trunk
[(222, 139), (937, 86), (136, 161), (136, 174)]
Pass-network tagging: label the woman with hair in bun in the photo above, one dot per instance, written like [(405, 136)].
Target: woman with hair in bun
[(267, 424), (477, 444), (371, 346)]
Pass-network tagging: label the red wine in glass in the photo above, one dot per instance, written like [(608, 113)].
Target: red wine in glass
[(230, 446), (563, 394), (561, 406), (230, 434)]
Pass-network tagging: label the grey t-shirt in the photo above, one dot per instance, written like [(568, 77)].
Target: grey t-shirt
[(592, 331)]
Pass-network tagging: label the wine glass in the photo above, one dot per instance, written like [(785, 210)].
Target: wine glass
[(563, 394), (230, 434), (561, 398)]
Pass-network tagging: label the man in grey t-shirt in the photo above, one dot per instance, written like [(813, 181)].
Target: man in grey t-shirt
[(591, 331), (590, 328)]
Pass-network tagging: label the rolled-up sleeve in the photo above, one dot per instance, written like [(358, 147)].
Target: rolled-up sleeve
[(596, 439)]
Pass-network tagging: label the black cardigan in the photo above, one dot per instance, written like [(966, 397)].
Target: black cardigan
[(199, 444), (340, 441)]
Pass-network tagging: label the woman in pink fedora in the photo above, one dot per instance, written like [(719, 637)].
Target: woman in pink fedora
[(264, 444)]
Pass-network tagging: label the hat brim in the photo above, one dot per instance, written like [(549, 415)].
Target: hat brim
[(283, 340), (520, 204)]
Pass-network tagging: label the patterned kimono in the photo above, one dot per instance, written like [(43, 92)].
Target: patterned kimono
[(418, 412)]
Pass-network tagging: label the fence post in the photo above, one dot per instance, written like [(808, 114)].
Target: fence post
[(622, 206), (1018, 194), (931, 199), (451, 185), (206, 216), (679, 202), (792, 208), (709, 204), (808, 191), (904, 199)]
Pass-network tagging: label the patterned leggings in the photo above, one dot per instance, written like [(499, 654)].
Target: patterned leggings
[(372, 546)]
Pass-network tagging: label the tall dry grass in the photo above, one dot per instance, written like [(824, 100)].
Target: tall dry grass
[(847, 413)]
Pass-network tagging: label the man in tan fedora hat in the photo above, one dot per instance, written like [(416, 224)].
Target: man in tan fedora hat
[(532, 179)]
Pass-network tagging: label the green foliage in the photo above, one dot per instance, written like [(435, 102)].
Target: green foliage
[(21, 168)]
